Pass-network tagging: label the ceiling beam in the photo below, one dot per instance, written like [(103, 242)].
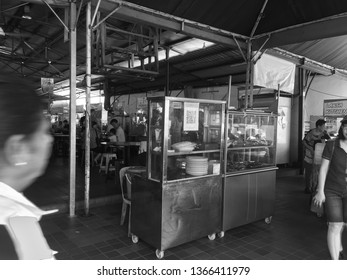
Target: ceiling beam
[(134, 13), (315, 30), (124, 88), (308, 64), (59, 3)]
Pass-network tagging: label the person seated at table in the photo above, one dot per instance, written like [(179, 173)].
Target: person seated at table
[(119, 130), (112, 137), (66, 127), (59, 127)]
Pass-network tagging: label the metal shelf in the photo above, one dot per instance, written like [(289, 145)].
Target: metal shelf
[(191, 153)]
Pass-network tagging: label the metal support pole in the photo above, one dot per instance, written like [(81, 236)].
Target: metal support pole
[(72, 108), (249, 61), (229, 93), (301, 119), (258, 19), (251, 85), (167, 72), (59, 17), (278, 94), (88, 84)]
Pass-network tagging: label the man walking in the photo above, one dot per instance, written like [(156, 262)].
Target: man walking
[(315, 135)]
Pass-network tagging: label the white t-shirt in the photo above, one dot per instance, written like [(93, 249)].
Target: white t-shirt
[(20, 217), (113, 138), (120, 134)]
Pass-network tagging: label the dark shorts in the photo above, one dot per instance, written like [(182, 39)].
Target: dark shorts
[(336, 206)]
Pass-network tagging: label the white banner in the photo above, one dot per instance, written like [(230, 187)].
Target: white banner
[(270, 71)]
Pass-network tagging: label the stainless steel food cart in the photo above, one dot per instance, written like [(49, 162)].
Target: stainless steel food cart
[(181, 198), (249, 167)]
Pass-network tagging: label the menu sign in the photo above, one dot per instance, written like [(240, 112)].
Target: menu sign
[(335, 107), (191, 116)]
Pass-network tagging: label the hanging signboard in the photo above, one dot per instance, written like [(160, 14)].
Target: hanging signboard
[(141, 103), (47, 85), (335, 107)]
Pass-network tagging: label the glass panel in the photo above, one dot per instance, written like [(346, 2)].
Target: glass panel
[(249, 158), (191, 132), (250, 141), (198, 123), (156, 132), (188, 166)]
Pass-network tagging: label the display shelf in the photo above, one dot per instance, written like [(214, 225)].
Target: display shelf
[(250, 171), (183, 127), (250, 141), (191, 153), (248, 147)]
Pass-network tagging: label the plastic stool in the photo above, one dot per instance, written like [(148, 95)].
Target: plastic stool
[(105, 162)]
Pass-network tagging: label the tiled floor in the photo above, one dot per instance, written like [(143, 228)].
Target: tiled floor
[(294, 234), (53, 187)]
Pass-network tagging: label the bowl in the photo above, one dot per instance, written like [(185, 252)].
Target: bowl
[(184, 149)]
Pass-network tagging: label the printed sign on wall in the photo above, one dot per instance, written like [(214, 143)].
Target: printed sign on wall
[(191, 116), (335, 108)]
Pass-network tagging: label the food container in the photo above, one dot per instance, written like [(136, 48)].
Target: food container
[(184, 146), (213, 167), (181, 163)]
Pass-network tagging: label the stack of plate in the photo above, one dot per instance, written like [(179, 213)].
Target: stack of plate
[(197, 166)]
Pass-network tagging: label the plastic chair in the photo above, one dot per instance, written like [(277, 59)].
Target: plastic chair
[(126, 195)]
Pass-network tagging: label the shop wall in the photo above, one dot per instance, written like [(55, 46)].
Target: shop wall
[(322, 88)]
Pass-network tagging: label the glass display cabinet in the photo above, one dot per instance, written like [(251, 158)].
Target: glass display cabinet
[(250, 142), (249, 167), (181, 198), (185, 138)]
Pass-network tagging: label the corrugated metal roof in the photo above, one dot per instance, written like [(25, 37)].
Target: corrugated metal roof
[(36, 48)]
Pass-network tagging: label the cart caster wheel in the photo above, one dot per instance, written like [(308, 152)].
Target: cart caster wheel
[(159, 254), (221, 234), (134, 239), (319, 215), (212, 236), (268, 220)]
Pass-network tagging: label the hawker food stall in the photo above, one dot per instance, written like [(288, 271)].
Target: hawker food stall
[(250, 167), (180, 200)]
